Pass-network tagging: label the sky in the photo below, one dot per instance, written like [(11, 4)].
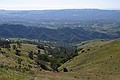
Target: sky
[(58, 4)]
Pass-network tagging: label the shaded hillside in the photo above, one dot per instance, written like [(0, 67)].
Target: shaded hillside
[(68, 35), (96, 61)]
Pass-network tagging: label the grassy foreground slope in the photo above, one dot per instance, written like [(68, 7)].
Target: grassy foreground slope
[(14, 75), (96, 62), (14, 67)]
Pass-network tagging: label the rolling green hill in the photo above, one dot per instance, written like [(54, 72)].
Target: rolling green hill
[(96, 61), (16, 65)]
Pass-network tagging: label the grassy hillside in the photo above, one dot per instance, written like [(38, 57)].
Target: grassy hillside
[(7, 74), (18, 67), (20, 60), (96, 61)]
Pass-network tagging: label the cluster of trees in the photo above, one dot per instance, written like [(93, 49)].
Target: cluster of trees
[(57, 55), (4, 44)]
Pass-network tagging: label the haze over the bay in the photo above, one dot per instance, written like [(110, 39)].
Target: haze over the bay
[(58, 4)]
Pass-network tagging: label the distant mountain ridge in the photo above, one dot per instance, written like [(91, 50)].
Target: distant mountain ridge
[(68, 35), (38, 17)]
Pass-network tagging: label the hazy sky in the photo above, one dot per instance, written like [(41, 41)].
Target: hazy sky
[(58, 4)]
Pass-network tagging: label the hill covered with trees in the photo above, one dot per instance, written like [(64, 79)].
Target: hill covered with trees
[(65, 35)]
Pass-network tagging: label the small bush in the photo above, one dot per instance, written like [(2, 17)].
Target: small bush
[(31, 55), (65, 69), (18, 52), (40, 47), (43, 57)]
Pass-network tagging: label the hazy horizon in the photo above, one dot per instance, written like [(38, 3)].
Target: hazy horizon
[(59, 4), (55, 9)]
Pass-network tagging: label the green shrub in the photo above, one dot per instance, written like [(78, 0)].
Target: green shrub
[(43, 57), (18, 52), (31, 55)]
